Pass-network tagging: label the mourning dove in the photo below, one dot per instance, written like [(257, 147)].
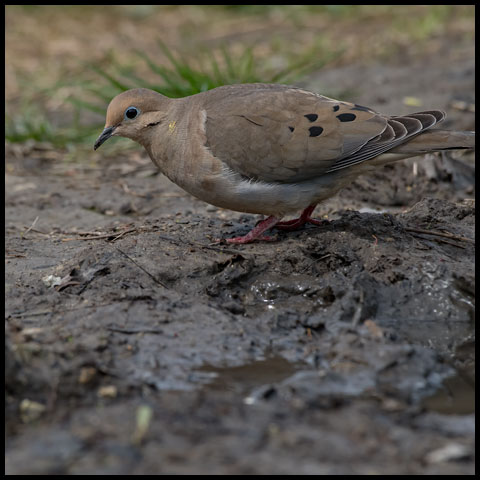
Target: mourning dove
[(269, 149)]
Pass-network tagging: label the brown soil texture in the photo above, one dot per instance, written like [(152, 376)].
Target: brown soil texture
[(135, 345)]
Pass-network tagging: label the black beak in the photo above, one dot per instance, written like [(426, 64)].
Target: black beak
[(104, 136)]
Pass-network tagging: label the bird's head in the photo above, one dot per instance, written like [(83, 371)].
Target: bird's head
[(131, 113)]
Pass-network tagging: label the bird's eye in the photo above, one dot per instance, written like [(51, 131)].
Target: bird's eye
[(131, 113)]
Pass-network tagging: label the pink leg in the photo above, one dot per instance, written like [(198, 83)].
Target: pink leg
[(299, 222), (256, 233)]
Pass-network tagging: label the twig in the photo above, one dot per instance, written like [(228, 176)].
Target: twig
[(99, 237), (83, 233), (12, 253), (38, 231), (358, 311), (141, 268), (124, 233), (30, 227), (223, 250), (132, 331), (442, 240), (440, 234), (46, 312)]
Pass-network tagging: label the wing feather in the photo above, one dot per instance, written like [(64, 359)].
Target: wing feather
[(277, 133)]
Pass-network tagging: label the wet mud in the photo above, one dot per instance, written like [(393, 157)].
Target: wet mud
[(136, 345)]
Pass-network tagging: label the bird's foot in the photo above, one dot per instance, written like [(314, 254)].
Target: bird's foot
[(256, 233), (297, 223), (291, 225)]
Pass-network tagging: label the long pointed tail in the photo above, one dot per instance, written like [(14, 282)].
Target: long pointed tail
[(436, 140)]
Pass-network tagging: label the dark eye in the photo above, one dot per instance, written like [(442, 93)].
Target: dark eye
[(131, 112)]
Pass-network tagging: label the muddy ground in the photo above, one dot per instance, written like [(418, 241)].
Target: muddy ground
[(134, 345)]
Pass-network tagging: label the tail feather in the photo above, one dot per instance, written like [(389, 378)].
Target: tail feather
[(436, 140)]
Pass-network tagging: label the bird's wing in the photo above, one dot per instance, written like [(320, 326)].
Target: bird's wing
[(276, 133)]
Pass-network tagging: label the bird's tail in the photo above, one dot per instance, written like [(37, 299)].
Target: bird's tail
[(436, 140)]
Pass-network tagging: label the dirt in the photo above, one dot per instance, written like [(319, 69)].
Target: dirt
[(134, 345)]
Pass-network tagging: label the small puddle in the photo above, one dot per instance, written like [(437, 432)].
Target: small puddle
[(244, 378), (455, 397)]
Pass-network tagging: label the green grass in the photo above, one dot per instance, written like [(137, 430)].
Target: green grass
[(31, 123), (178, 78), (183, 77)]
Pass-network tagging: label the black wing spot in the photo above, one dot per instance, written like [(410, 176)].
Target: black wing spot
[(311, 116), (347, 117), (315, 131), (362, 109), (291, 129), (336, 108)]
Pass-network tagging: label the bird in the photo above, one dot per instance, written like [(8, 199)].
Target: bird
[(270, 149)]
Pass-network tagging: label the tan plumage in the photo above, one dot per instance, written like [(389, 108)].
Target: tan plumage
[(269, 149)]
